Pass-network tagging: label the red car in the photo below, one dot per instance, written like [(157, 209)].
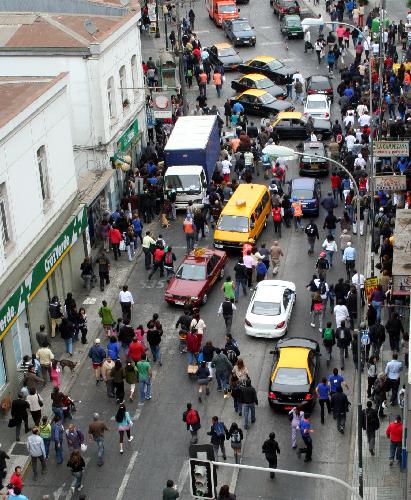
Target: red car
[(198, 272)]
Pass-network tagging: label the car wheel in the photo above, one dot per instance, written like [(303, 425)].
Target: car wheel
[(204, 299), (221, 273)]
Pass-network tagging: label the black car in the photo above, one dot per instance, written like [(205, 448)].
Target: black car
[(239, 32), (225, 55), (319, 84), (313, 167), (257, 81), (292, 125), (294, 374), (260, 102), (275, 69)]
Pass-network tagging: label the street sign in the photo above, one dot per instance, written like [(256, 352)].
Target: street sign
[(370, 285), (128, 137), (201, 479), (391, 148), (162, 105), (390, 182)]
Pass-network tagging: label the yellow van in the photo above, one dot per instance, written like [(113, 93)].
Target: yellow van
[(243, 217)]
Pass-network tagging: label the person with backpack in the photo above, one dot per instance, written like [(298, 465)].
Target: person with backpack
[(231, 349), (343, 338), (227, 309), (328, 340), (311, 231), (379, 393), (370, 424), (278, 213), (218, 433), (340, 406), (235, 436), (271, 449), (317, 311), (168, 262), (192, 420), (322, 265)]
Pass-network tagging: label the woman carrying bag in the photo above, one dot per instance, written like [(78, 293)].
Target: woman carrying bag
[(76, 464), (124, 423), (36, 402)]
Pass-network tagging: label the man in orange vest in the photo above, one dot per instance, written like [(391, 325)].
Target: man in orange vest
[(189, 230), (218, 82), (297, 213), (202, 83)]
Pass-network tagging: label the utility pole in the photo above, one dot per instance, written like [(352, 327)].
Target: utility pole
[(165, 25), (180, 61)]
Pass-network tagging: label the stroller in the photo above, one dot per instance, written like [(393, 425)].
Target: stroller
[(68, 407)]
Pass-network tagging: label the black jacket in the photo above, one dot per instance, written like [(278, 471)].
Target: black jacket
[(394, 327), (271, 448), (215, 439), (377, 334), (126, 334), (370, 420), (184, 321), (19, 409), (339, 403), (248, 395), (67, 330), (3, 456), (153, 338), (240, 272), (311, 230), (343, 337)]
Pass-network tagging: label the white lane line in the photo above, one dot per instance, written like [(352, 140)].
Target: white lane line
[(70, 494), (127, 475), (201, 32), (271, 43), (234, 480), (288, 60), (182, 478), (266, 27)]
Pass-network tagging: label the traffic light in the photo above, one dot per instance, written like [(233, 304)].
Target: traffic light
[(202, 478)]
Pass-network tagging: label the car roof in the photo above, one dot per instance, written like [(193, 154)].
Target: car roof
[(264, 59), (240, 20), (223, 45), (317, 97), (269, 294), (302, 183), (293, 357), (319, 78), (313, 145), (195, 257), (289, 115), (254, 92), (298, 342), (255, 76), (243, 193), (292, 17)]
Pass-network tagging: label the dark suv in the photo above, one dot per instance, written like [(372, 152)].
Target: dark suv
[(313, 167), (283, 7)]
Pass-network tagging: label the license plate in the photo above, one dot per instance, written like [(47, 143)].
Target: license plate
[(219, 246), (314, 167), (179, 303)]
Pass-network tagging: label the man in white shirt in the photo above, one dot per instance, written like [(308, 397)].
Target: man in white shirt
[(341, 313), (393, 371), (359, 162), (146, 245), (349, 119), (350, 141), (126, 302), (364, 119), (354, 281), (298, 76), (226, 167)]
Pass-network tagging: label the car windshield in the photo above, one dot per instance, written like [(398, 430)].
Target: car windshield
[(291, 376), (316, 104), (265, 83), (267, 98), (192, 272), (227, 51), (302, 194), (233, 223), (241, 27), (293, 23), (226, 9), (266, 308), (273, 65), (184, 183), (320, 85)]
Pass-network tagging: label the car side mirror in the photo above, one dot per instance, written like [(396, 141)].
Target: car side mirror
[(252, 27)]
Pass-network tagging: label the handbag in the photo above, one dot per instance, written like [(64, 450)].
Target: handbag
[(40, 401), (122, 245), (83, 447), (12, 422)]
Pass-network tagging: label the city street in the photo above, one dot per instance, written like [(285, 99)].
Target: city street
[(160, 448)]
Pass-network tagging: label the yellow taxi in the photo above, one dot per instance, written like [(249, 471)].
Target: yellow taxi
[(275, 69), (259, 102), (293, 125), (258, 81)]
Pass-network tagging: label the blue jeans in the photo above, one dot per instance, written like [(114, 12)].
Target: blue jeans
[(59, 452), (155, 351), (238, 407), (59, 412), (145, 389), (190, 240), (100, 450), (329, 257), (247, 408), (77, 478), (191, 357), (336, 194), (377, 306), (47, 445), (243, 284), (395, 451), (222, 382), (69, 345), (298, 223)]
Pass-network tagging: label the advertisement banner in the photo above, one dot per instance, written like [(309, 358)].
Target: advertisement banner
[(391, 148), (390, 182), (370, 285), (162, 106), (41, 271)]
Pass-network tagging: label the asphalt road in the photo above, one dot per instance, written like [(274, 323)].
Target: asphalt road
[(160, 447)]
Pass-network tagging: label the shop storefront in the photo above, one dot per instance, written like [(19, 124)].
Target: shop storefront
[(55, 273)]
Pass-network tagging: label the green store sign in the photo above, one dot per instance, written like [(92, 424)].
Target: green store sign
[(41, 272), (128, 137)]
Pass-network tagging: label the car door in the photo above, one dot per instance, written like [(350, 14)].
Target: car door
[(283, 127), (258, 106), (246, 83), (288, 302), (247, 102)]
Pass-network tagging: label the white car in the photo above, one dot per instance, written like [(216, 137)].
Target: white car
[(270, 308), (318, 106)]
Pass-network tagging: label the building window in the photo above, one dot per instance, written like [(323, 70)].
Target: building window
[(3, 376), (5, 228), (42, 164), (111, 95), (134, 74), (123, 86)]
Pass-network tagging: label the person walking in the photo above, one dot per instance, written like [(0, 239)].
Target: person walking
[(45, 433), (343, 338), (36, 450), (235, 436), (153, 337), (218, 433), (42, 338), (218, 82), (224, 493), (323, 391), (227, 309), (74, 437), (147, 245), (370, 424), (57, 434), (130, 376), (328, 340), (249, 400), (340, 406), (117, 375), (77, 465), (170, 492), (394, 434), (193, 346), (306, 431), (107, 318), (144, 376), (192, 420), (67, 334), (35, 402), (379, 393), (372, 372), (126, 302), (393, 371), (19, 414), (228, 288), (158, 261), (271, 449), (56, 314), (275, 254), (341, 314), (394, 329), (311, 230), (124, 424), (97, 355), (96, 433), (115, 238), (376, 333), (297, 211), (189, 231), (295, 415), (3, 466), (103, 270), (223, 368), (330, 247)]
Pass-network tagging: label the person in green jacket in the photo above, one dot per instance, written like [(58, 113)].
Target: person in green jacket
[(170, 491), (130, 372), (228, 287), (45, 433), (107, 318)]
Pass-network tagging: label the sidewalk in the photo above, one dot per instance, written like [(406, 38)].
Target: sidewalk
[(119, 274)]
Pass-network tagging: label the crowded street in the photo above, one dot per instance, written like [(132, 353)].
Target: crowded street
[(131, 308)]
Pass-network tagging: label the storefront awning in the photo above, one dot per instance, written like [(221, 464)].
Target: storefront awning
[(93, 183)]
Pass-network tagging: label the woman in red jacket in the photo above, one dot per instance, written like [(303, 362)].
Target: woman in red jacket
[(115, 238), (193, 345)]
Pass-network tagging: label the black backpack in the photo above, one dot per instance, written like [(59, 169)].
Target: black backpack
[(322, 288)]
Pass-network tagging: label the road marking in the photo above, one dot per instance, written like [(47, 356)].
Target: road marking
[(266, 27), (234, 480), (287, 60), (202, 32), (182, 478), (70, 494), (126, 477), (271, 43), (58, 492)]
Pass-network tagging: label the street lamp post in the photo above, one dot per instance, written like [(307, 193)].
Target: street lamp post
[(285, 151)]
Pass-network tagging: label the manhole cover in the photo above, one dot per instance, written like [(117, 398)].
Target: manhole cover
[(19, 449)]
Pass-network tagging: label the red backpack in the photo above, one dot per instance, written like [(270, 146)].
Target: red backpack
[(192, 417), (276, 211)]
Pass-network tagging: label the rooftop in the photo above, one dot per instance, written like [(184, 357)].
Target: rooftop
[(65, 31), (16, 93)]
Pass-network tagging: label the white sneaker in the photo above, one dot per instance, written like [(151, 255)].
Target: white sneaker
[(80, 487), (313, 325), (73, 489), (131, 439), (320, 330)]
